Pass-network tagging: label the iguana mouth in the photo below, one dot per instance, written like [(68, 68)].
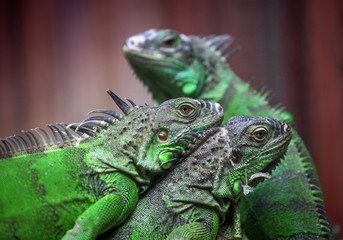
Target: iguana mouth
[(138, 60), (271, 166), (153, 60), (265, 173)]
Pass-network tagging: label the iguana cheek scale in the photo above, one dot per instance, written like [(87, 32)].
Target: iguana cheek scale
[(90, 182)]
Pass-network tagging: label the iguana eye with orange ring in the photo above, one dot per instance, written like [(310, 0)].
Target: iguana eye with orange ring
[(259, 134), (163, 135)]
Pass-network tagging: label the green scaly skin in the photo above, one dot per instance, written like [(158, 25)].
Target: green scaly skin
[(90, 183), (201, 193), (174, 65)]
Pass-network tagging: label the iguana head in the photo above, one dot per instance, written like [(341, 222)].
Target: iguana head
[(258, 144), (155, 137), (176, 126), (174, 65)]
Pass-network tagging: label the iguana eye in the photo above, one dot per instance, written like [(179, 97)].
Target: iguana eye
[(259, 134), (168, 39), (236, 157), (186, 109), (163, 135), (169, 42)]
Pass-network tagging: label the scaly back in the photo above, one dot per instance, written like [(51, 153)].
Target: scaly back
[(38, 140)]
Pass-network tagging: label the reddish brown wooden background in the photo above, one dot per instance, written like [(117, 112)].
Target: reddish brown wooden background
[(57, 57)]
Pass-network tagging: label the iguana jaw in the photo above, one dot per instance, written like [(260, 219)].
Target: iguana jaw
[(154, 58), (257, 148), (278, 148), (182, 129), (250, 182), (266, 172)]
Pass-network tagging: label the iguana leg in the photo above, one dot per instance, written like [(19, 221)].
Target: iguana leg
[(107, 212), (202, 229)]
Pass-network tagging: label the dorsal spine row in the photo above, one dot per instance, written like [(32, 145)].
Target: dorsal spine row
[(37, 140)]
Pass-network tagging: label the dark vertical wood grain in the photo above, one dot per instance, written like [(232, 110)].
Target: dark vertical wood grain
[(325, 89)]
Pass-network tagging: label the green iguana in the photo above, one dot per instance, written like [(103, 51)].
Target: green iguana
[(90, 183), (288, 205), (196, 197)]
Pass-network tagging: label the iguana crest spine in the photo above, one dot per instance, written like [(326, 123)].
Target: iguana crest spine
[(38, 139)]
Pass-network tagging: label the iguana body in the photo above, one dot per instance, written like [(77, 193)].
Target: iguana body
[(196, 197), (89, 184), (290, 204)]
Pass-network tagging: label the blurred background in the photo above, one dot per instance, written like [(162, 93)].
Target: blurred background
[(57, 58)]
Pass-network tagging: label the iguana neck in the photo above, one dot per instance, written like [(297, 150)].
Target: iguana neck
[(127, 142), (222, 85), (197, 176), (216, 77)]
